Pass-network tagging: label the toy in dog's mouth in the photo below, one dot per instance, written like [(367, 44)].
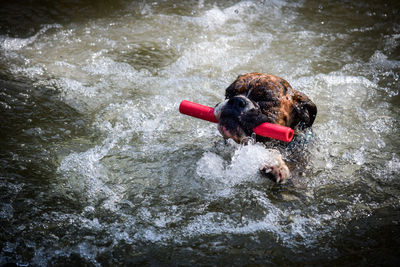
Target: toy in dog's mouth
[(237, 117)]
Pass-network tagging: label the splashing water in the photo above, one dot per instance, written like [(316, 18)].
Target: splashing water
[(99, 168)]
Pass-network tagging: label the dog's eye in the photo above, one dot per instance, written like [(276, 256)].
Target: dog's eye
[(241, 103)]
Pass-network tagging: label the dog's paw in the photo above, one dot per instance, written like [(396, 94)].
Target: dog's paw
[(277, 170)]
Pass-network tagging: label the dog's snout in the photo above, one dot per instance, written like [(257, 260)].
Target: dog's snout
[(237, 103)]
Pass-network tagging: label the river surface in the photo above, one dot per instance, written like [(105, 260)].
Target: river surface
[(98, 168)]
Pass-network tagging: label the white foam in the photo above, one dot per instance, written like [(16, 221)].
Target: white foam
[(141, 135), (12, 44), (389, 172), (210, 166), (379, 59), (244, 165), (290, 227), (86, 177), (213, 18)]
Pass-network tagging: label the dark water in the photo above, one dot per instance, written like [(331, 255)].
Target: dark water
[(99, 168)]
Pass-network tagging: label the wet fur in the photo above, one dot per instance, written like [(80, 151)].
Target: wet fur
[(277, 99), (255, 98)]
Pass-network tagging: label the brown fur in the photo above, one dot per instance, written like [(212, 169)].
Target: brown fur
[(277, 99), (255, 98)]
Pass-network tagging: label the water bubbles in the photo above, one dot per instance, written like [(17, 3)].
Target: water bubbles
[(146, 176), (6, 212), (11, 44), (359, 157), (250, 140), (210, 166), (329, 165), (389, 171), (243, 166)]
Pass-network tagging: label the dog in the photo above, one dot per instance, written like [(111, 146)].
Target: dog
[(255, 98)]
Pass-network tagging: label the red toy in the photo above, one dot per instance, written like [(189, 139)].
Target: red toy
[(265, 129)]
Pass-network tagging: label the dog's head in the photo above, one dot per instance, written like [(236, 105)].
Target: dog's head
[(238, 116), (256, 98)]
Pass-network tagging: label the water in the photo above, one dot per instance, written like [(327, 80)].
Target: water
[(98, 167)]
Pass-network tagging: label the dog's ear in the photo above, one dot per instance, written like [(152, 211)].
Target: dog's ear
[(305, 111)]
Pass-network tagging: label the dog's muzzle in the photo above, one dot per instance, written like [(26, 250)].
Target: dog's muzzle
[(233, 118)]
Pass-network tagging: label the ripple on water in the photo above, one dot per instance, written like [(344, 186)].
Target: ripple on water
[(151, 177)]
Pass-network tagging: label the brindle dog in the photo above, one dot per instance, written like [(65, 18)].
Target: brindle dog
[(255, 98)]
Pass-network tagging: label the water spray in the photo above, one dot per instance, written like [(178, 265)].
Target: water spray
[(265, 129)]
